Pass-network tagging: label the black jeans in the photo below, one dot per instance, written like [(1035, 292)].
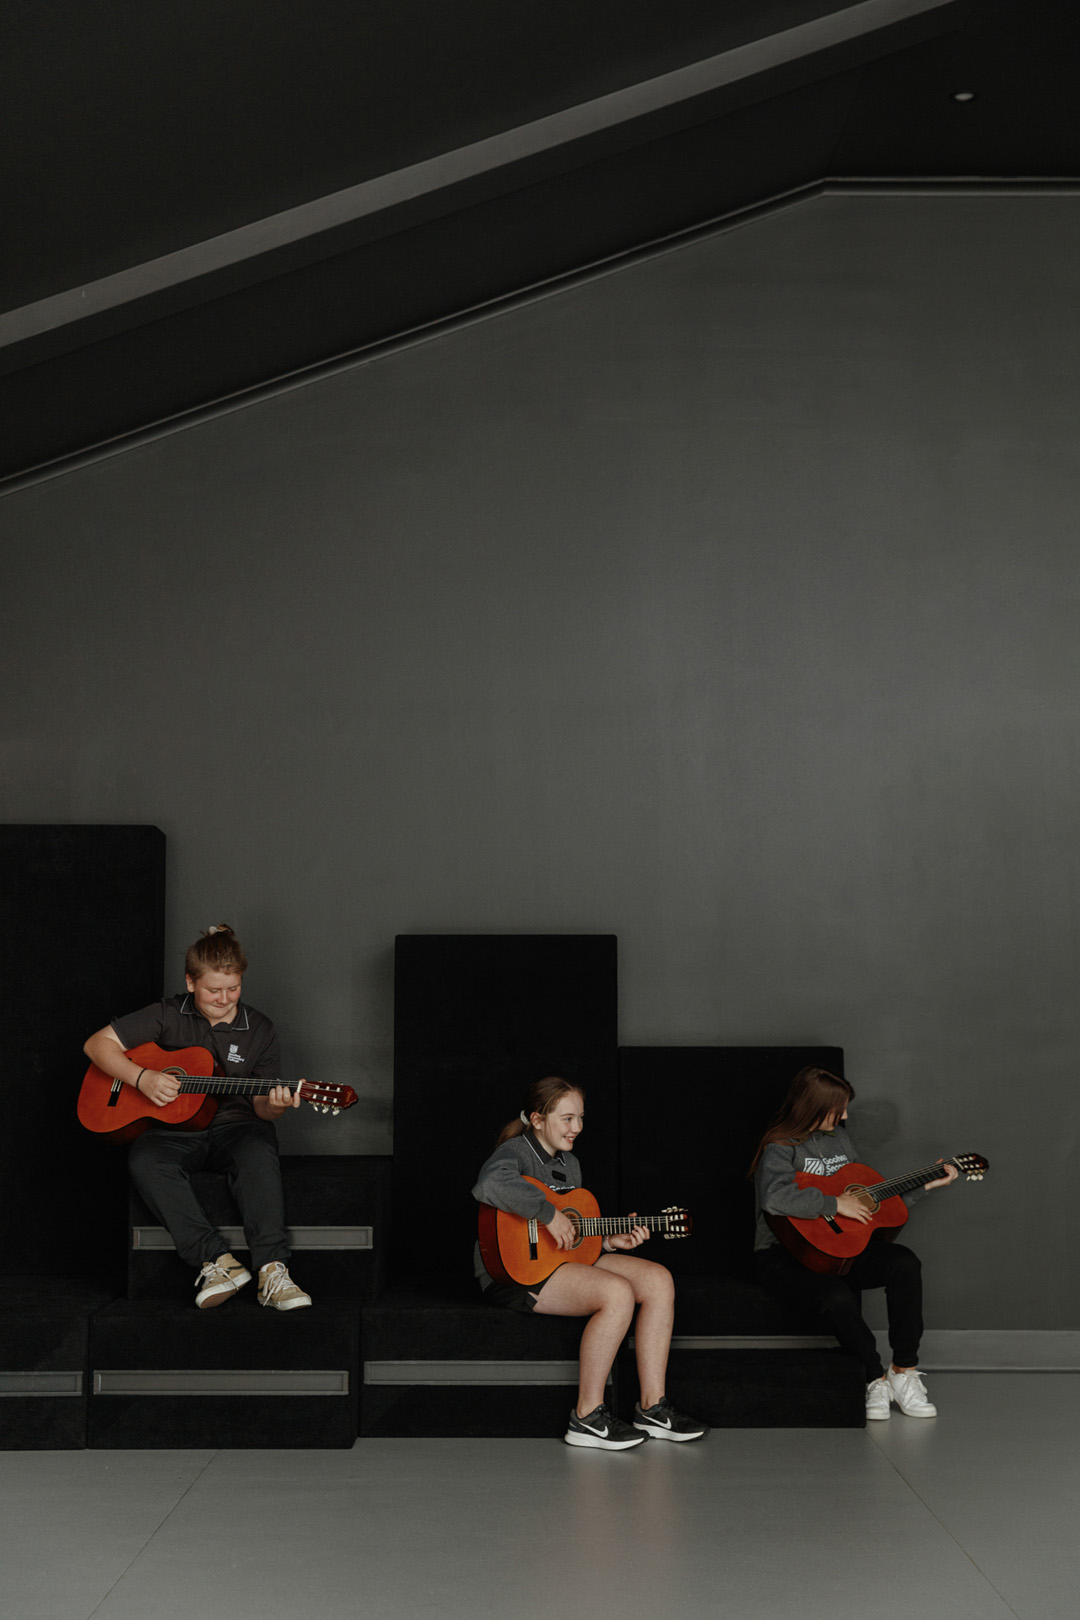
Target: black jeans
[(834, 1302), (161, 1163)]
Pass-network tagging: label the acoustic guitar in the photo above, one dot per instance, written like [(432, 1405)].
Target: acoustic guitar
[(516, 1249), (830, 1243), (117, 1111)]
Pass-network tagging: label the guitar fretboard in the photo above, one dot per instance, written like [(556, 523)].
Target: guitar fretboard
[(907, 1183), (608, 1225), (212, 1085)]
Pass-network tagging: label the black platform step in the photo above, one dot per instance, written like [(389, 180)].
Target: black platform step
[(765, 1388), (166, 1375), (437, 1361), (337, 1209), (44, 1362)]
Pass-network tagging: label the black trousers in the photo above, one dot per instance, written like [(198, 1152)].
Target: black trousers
[(834, 1300), (161, 1163)]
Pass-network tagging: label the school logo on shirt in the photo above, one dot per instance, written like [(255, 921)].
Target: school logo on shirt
[(825, 1167), (234, 1055)]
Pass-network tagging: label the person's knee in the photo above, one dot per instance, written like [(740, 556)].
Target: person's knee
[(904, 1262), (618, 1298), (658, 1285)]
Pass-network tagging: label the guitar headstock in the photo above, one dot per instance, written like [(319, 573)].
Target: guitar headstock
[(330, 1098), (972, 1165), (678, 1223)]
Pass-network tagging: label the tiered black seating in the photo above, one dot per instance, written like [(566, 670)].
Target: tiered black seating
[(167, 1375), (337, 1208), (45, 1362), (476, 1018)]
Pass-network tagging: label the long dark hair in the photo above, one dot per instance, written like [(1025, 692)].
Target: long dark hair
[(813, 1095), (540, 1098)]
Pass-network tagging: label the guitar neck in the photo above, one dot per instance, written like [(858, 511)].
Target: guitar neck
[(609, 1225), (914, 1178), (213, 1085)]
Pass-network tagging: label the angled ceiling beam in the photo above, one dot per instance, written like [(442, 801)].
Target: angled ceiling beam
[(455, 179)]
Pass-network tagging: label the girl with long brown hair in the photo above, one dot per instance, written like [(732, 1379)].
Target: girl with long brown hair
[(539, 1143), (808, 1134)]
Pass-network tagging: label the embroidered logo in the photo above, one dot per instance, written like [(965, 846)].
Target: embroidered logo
[(234, 1055), (825, 1167)]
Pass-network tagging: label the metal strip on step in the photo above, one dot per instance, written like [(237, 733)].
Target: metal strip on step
[(753, 1341), (471, 1372), (41, 1383), (157, 1239), (220, 1381)]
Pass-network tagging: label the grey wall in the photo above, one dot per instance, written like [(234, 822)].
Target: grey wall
[(728, 603)]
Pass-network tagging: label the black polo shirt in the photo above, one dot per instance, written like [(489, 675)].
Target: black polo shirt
[(246, 1049)]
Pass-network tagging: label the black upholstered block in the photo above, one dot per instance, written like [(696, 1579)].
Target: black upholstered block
[(714, 1104), (439, 1361), (764, 1389), (168, 1375), (479, 1017), (44, 1362), (466, 1412), (435, 1321), (329, 1202), (89, 901), (734, 1306)]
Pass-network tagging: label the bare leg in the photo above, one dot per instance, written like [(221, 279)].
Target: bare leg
[(608, 1302), (654, 1293)]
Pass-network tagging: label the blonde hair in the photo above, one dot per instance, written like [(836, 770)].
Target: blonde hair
[(217, 950)]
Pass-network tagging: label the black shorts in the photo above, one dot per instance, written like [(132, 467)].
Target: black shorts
[(514, 1296)]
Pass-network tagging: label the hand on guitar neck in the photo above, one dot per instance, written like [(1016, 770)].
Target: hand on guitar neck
[(566, 1236), (855, 1209)]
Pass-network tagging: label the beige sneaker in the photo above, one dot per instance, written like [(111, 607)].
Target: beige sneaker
[(277, 1288), (218, 1279)]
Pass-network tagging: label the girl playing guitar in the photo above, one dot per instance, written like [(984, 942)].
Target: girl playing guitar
[(539, 1143), (808, 1135)]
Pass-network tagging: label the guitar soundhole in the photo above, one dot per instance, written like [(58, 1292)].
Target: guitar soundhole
[(574, 1216)]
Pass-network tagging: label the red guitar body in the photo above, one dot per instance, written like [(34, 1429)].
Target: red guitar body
[(120, 1112), (125, 1113), (831, 1246)]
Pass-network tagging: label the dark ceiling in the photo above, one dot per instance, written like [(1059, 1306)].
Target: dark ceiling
[(135, 130)]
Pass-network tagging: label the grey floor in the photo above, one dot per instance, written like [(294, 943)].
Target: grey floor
[(975, 1514)]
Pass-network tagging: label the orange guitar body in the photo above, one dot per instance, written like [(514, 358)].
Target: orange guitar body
[(831, 1246), (514, 1249), (122, 1113)]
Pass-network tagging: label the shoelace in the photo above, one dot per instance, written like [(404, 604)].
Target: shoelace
[(277, 1280)]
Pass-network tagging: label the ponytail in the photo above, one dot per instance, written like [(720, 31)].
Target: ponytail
[(540, 1098)]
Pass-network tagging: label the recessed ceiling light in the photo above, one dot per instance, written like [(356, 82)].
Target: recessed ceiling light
[(964, 95)]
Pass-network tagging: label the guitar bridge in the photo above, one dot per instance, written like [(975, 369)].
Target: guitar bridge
[(114, 1093), (534, 1240)]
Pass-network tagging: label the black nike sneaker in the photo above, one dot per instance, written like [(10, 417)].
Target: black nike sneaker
[(662, 1422), (602, 1430)]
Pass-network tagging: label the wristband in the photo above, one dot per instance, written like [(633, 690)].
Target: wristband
[(138, 1077)]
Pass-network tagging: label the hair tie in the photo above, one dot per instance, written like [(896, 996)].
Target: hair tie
[(524, 1118)]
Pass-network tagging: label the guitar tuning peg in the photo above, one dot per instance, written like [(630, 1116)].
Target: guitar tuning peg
[(335, 1110)]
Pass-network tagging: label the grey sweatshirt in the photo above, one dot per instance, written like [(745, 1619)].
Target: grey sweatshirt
[(821, 1154), (500, 1183)]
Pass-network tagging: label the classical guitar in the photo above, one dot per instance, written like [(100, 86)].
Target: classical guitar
[(119, 1112), (831, 1243), (515, 1249)]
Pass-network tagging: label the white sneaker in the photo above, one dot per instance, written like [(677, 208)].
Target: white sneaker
[(877, 1400), (218, 1279), (909, 1392), (277, 1289)]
